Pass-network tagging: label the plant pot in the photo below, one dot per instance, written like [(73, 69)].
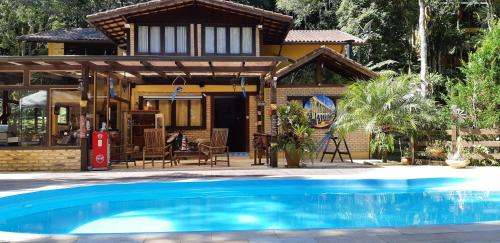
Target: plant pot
[(292, 159), (405, 160), (435, 152), (457, 164)]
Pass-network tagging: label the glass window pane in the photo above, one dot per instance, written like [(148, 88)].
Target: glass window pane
[(54, 78), (65, 115), (181, 113), (247, 43), (181, 39), (209, 40), (235, 40), (170, 39), (166, 109), (143, 39), (11, 78), (196, 113), (25, 123), (155, 39), (221, 40)]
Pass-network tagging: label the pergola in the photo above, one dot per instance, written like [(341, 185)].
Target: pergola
[(136, 68)]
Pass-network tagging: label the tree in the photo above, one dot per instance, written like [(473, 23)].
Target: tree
[(383, 107), (388, 27), (311, 14), (423, 45), (478, 93)]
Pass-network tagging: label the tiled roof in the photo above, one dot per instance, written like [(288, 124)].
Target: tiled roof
[(337, 61), (321, 36), (90, 35)]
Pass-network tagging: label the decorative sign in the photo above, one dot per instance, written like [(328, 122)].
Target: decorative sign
[(274, 124), (321, 111)]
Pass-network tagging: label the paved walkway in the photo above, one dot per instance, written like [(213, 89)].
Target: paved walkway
[(15, 183)]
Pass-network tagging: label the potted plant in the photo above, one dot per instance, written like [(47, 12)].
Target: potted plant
[(436, 149), (406, 157), (294, 133)]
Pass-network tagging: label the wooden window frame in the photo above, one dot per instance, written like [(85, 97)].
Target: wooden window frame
[(162, 39), (173, 115), (228, 41)]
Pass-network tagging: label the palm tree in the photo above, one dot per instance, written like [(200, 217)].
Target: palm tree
[(383, 107)]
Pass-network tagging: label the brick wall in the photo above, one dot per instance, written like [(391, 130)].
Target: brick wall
[(202, 133), (358, 141), (39, 160)]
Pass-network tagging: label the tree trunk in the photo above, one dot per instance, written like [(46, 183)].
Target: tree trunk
[(423, 46)]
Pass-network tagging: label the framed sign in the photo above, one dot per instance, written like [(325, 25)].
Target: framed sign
[(322, 111)]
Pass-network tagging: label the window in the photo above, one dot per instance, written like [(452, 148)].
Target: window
[(155, 39), (221, 40), (170, 39), (182, 113), (11, 78), (65, 113), (246, 39), (24, 120), (143, 39), (181, 39), (239, 39), (209, 40), (62, 115), (175, 40), (234, 45), (53, 78)]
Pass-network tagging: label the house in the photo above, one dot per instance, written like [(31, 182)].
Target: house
[(197, 64)]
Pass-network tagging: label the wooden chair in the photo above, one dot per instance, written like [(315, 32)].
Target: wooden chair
[(262, 147), (154, 147), (217, 147)]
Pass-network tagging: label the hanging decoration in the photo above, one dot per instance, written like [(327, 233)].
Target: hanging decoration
[(111, 89), (321, 111), (243, 87), (178, 88)]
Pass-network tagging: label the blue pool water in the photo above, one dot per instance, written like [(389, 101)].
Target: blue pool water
[(248, 205)]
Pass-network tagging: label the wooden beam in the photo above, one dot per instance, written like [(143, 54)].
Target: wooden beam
[(84, 134), (212, 68), (157, 70), (183, 69), (117, 65)]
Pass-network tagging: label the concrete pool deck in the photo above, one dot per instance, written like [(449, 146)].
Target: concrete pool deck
[(16, 183)]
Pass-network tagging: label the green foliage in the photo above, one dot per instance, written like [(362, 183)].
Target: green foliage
[(295, 131), (478, 94), (306, 75), (387, 25), (383, 107), (311, 14)]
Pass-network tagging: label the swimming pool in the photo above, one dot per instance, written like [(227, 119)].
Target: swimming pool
[(227, 205)]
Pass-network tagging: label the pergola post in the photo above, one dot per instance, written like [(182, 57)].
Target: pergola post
[(274, 122), (84, 87)]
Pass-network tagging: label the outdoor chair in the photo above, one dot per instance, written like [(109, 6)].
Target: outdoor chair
[(216, 147), (154, 147), (262, 147)]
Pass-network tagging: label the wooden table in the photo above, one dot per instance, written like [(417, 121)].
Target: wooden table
[(179, 154)]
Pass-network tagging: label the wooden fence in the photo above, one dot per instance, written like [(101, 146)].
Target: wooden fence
[(490, 144)]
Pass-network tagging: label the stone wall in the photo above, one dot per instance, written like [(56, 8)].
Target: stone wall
[(20, 159), (358, 141)]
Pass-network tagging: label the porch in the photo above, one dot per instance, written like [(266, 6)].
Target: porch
[(72, 96)]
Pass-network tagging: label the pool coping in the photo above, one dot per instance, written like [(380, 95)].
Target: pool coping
[(479, 232)]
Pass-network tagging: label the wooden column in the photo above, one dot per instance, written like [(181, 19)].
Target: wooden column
[(261, 106), (84, 134), (274, 122), (108, 103)]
